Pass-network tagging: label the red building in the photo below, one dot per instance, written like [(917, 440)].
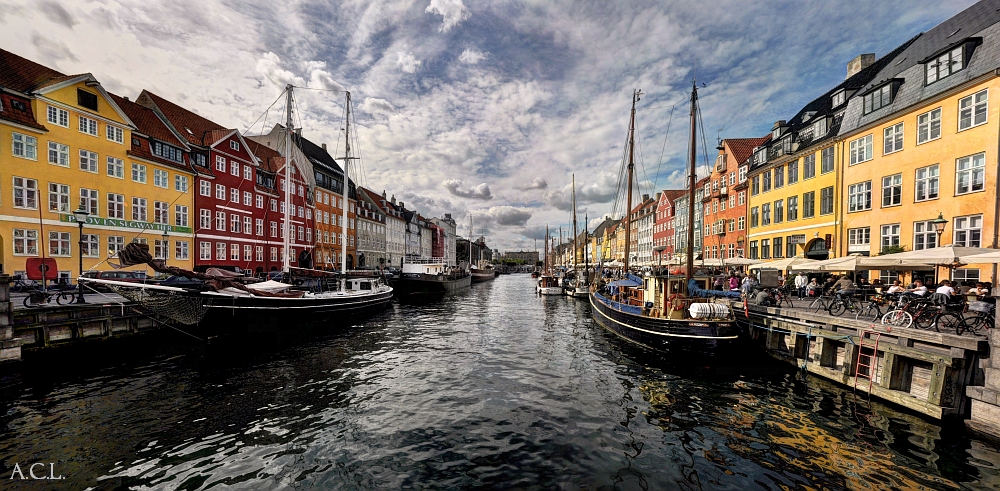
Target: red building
[(663, 226), (725, 199), (230, 214)]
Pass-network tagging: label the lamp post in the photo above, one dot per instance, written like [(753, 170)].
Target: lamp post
[(80, 216), (939, 224), (165, 248), (739, 245)]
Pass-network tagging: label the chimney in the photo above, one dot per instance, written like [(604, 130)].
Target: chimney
[(658, 194), (126, 98), (324, 146), (393, 200), (447, 216), (778, 124), (645, 197), (383, 194), (860, 63)]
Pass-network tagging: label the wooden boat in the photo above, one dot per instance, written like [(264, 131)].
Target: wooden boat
[(670, 314), (430, 276), (548, 285)]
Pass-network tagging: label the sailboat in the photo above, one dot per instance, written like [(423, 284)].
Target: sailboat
[(547, 284), (223, 302), (670, 314), (481, 270), (577, 286)]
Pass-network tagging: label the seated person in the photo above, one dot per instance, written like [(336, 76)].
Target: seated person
[(979, 290), (812, 288), (918, 289), (896, 287), (945, 289)]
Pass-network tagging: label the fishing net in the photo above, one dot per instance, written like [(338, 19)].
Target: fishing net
[(187, 310)]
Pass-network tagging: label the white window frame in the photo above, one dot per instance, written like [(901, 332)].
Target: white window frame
[(180, 183), (88, 126), (116, 205), (58, 154), (924, 234), (859, 196), (976, 107), (114, 134), (24, 146), (890, 183), (59, 197), (234, 145), (182, 250), (220, 192), (161, 212), (205, 187), (220, 251), (138, 173), (25, 193), (861, 149), (139, 209), (205, 219), (62, 244), (181, 215), (25, 242), (927, 124), (88, 161), (205, 251), (116, 168), (889, 233), (57, 116), (161, 178), (928, 180), (975, 169), (963, 227), (892, 139), (89, 201)]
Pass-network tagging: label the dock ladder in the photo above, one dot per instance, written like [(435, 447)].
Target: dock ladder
[(866, 360)]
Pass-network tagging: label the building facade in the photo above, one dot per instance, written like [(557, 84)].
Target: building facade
[(681, 221), (450, 229), (663, 224), (726, 199)]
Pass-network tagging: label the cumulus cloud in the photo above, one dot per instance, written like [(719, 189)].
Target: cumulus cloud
[(57, 13), (375, 105), (406, 62), (509, 216), (471, 56), (482, 191), (602, 190), (536, 183), (453, 12), (269, 67), (319, 78)]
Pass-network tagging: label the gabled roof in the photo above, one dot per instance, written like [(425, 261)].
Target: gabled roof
[(672, 194), (146, 121), (742, 148), (270, 160), (375, 198), (25, 117), (317, 154), (23, 75), (185, 123)]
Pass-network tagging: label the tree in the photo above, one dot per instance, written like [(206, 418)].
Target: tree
[(892, 250)]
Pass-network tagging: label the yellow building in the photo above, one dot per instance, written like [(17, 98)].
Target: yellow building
[(920, 142), (795, 177), (66, 145)]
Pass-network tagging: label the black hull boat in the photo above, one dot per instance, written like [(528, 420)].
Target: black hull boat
[(709, 338), (256, 314), (429, 284)]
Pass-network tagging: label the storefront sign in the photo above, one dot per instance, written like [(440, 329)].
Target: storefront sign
[(797, 239), (116, 222)]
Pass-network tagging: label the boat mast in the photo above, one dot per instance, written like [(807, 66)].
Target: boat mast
[(691, 184), (586, 257), (631, 169), (347, 161), (470, 240), (545, 264), (574, 223), (288, 180)]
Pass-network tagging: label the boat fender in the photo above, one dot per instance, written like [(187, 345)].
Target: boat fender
[(708, 310)]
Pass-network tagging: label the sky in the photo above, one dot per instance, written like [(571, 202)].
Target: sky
[(482, 107)]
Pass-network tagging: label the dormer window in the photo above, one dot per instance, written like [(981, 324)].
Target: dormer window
[(86, 99), (720, 163), (880, 97), (775, 133), (235, 145), (946, 64), (839, 98), (819, 128)]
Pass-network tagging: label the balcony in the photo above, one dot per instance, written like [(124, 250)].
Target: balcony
[(723, 192)]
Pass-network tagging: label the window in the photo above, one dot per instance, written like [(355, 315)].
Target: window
[(944, 65), (890, 236), (181, 215), (160, 248), (924, 235), (793, 208), (259, 227), (927, 183), (260, 201), (198, 159), (205, 250), (247, 225), (180, 249), (809, 204), (91, 245), (234, 223), (220, 165), (220, 220), (220, 191), (88, 161), (755, 186), (116, 205), (139, 172), (777, 247), (839, 98), (88, 200), (274, 205), (116, 168), (766, 181), (115, 134), (139, 209), (753, 249), (25, 242), (234, 195), (247, 252), (274, 253), (765, 249), (779, 177), (180, 183), (234, 252), (168, 152), (59, 244), (274, 229), (24, 146), (58, 116), (968, 231), (161, 212), (972, 110), (115, 244), (59, 154), (826, 201), (892, 190), (858, 239), (859, 196), (826, 158), (205, 219), (220, 251), (779, 212), (732, 224), (743, 173), (259, 253), (742, 197), (88, 126), (732, 201), (789, 247), (247, 198), (234, 168), (86, 99), (247, 173), (301, 233), (968, 276), (25, 193), (892, 139), (861, 150), (160, 178), (765, 214), (732, 178), (809, 166), (204, 187), (878, 98), (235, 145), (58, 198), (970, 174), (793, 172), (929, 126)]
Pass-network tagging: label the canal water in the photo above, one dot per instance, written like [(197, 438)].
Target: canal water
[(491, 388)]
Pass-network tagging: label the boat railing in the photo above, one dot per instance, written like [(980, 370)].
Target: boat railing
[(433, 260)]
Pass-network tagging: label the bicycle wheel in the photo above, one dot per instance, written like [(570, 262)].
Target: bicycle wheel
[(65, 298), (897, 318), (925, 319), (948, 321), (869, 312), (817, 305), (838, 307), (969, 324)]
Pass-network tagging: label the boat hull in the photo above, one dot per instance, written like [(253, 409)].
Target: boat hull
[(272, 314), (677, 337), (549, 290), (482, 277), (580, 292), (428, 284)]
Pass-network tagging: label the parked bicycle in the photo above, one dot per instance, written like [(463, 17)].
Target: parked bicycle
[(872, 310), (21, 284), (821, 303), (983, 316), (921, 313), (39, 297), (844, 301)]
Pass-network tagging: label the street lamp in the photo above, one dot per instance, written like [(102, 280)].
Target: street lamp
[(939, 224), (164, 245), (80, 216)]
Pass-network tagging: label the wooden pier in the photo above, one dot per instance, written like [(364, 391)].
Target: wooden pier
[(924, 371)]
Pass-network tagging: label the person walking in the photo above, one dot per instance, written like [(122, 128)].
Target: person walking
[(800, 284)]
